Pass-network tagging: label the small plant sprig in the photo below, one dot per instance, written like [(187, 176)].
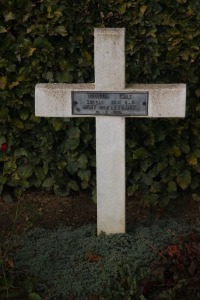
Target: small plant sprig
[(10, 286)]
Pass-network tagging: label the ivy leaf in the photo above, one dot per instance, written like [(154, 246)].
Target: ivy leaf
[(48, 182), (57, 124), (31, 51), (3, 82), (64, 76), (3, 29), (61, 30), (192, 160), (184, 179), (7, 198), (18, 123), (13, 84), (24, 114), (84, 175), (121, 10), (4, 114), (197, 168), (198, 94), (151, 200), (196, 197), (143, 8), (34, 296), (140, 153), (84, 185), (9, 16), (145, 164), (25, 171), (82, 161), (28, 285), (87, 56), (20, 152), (39, 172), (132, 189), (73, 185), (171, 188)]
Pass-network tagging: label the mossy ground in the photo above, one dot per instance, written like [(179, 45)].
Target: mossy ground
[(78, 262)]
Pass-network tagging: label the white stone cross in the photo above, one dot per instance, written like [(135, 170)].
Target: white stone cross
[(164, 101)]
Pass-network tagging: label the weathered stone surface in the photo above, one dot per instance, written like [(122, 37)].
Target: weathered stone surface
[(164, 101)]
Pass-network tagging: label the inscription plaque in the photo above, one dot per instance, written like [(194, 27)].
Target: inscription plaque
[(110, 103)]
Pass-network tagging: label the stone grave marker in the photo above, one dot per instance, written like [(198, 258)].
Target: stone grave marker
[(110, 101)]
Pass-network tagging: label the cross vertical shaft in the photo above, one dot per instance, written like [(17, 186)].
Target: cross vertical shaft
[(110, 133)]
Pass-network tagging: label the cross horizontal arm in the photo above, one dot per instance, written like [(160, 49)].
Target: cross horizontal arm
[(165, 100)]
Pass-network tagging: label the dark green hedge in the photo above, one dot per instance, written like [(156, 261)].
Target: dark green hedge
[(52, 41)]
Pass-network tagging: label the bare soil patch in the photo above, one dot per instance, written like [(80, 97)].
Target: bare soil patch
[(41, 209)]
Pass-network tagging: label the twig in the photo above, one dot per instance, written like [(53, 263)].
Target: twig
[(157, 251), (13, 228), (4, 273)]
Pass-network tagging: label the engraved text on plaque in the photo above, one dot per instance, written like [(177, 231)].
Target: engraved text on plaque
[(110, 103)]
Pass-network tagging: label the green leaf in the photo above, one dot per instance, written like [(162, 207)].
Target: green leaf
[(39, 172), (24, 114), (87, 56), (61, 30), (171, 188), (73, 185), (197, 152), (3, 81), (4, 113), (64, 76), (7, 198), (140, 153), (196, 197), (176, 151), (184, 179), (143, 8), (151, 199), (131, 143), (84, 175), (13, 84), (34, 296), (48, 182), (121, 10), (147, 179), (28, 285), (132, 189), (84, 185), (197, 168), (18, 123), (82, 161), (163, 202), (25, 171), (198, 95), (145, 164), (9, 16), (43, 43), (72, 167), (156, 187), (45, 167), (2, 140), (20, 152), (192, 160), (57, 124), (3, 29)]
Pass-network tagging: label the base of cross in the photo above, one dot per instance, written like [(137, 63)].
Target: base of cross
[(110, 102)]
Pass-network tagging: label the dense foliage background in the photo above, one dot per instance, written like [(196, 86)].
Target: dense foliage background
[(52, 41)]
